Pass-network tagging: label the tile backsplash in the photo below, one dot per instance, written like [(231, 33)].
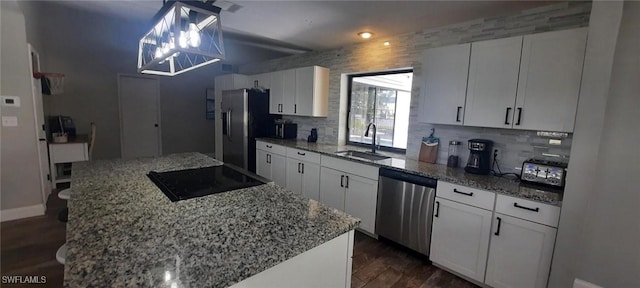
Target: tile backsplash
[(514, 146), (405, 51)]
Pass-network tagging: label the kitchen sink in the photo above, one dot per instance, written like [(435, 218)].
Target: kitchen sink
[(362, 155)]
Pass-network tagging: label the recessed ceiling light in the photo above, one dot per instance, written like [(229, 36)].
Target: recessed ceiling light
[(386, 43), (365, 35)]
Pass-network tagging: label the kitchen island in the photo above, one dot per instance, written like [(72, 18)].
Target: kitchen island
[(123, 231)]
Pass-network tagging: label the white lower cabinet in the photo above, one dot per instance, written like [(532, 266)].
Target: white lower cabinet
[(271, 166), (460, 238), (303, 178), (520, 253), (353, 194)]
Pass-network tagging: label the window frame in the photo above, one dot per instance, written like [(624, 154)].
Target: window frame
[(349, 90)]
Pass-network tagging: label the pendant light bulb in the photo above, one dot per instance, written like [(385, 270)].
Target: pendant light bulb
[(194, 35), (158, 52), (182, 40)]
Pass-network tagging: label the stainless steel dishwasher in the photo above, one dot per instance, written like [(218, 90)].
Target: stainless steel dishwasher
[(405, 209)]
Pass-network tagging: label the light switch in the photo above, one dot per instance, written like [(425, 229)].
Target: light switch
[(10, 101), (9, 121)]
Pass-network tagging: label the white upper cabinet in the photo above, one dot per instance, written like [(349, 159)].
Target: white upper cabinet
[(550, 76), (312, 91), (301, 92), (260, 80), (493, 82), (444, 82), (276, 92), (288, 92)]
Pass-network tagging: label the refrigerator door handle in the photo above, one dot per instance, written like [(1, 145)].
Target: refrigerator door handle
[(229, 123)]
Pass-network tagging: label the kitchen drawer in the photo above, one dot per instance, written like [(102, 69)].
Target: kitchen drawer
[(68, 152), (273, 148), (466, 195), (528, 210), (303, 155), (355, 168)]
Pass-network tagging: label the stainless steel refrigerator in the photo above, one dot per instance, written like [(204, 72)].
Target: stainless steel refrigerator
[(245, 117)]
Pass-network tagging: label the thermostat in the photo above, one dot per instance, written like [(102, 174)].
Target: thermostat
[(10, 101)]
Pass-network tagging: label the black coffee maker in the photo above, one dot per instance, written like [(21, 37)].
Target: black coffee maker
[(479, 156)]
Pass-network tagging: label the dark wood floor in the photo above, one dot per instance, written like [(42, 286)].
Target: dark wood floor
[(380, 263), (28, 247)]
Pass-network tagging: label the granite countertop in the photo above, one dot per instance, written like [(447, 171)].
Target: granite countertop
[(123, 231), (502, 185)]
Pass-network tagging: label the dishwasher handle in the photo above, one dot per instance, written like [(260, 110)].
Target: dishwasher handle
[(407, 177)]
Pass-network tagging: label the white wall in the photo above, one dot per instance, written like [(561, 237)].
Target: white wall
[(20, 178), (599, 227)]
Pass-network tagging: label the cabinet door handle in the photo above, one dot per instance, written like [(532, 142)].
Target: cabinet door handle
[(268, 158), (347, 183), (499, 224), (302, 154), (519, 115), (298, 167), (463, 193), (295, 108), (537, 209), (341, 180), (506, 117), (269, 146), (437, 209), (458, 114), (302, 165)]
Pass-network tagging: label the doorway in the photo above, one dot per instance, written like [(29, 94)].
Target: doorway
[(41, 135), (139, 98)]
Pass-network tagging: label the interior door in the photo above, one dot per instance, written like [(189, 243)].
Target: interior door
[(41, 135), (234, 130), (139, 116)]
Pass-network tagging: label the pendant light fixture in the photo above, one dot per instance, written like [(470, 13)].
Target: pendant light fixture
[(185, 35)]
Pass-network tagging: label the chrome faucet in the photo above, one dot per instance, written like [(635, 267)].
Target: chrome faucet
[(373, 139)]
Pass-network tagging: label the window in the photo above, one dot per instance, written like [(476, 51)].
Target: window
[(384, 99)]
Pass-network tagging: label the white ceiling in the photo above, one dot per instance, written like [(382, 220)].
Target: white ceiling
[(320, 25)]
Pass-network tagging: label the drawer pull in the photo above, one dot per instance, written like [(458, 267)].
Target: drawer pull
[(463, 193), (537, 209), (437, 209), (499, 224), (302, 154), (269, 146)]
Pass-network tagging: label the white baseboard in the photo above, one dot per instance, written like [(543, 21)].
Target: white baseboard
[(22, 212), (579, 283)]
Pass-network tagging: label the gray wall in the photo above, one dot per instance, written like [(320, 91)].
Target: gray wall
[(405, 51), (599, 227), (20, 178), (91, 49)]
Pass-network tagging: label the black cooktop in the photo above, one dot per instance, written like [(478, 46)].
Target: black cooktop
[(192, 183)]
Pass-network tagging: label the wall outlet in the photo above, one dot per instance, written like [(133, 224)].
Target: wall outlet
[(9, 121)]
